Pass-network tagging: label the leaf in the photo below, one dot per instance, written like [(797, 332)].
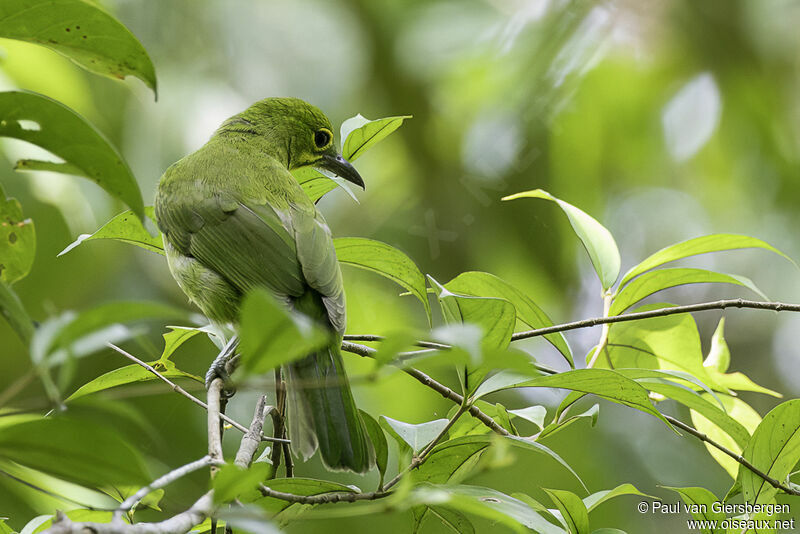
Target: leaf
[(534, 414), (597, 240), (596, 499), (81, 31), (732, 430), (485, 502), (272, 336), (125, 227), (416, 436), (453, 520), (17, 241), (177, 336), (5, 529), (316, 184), (359, 134), (698, 245), (129, 375), (13, 311), (77, 516), (576, 517), (247, 519), (656, 281), (378, 439), (75, 450), (481, 284), (232, 481), (719, 356), (774, 449), (385, 260), (558, 425), (67, 135), (700, 504), (604, 383)]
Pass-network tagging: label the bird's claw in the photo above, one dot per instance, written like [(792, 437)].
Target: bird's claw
[(219, 369)]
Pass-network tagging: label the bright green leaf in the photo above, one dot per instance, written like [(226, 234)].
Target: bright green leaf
[(699, 503), (385, 260), (774, 449), (177, 336), (79, 516), (656, 281), (596, 499), (129, 375), (81, 31), (560, 424), (232, 481), (597, 240), (698, 245), (481, 284), (358, 134), (125, 227), (75, 450), (67, 135), (270, 335), (719, 356), (17, 241), (573, 511)]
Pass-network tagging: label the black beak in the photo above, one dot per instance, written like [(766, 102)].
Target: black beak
[(341, 168)]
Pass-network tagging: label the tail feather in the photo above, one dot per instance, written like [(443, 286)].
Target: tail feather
[(323, 413)]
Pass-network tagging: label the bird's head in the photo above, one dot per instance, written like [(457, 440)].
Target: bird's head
[(295, 132)]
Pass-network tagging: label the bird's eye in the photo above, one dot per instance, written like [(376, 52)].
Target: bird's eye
[(322, 138)]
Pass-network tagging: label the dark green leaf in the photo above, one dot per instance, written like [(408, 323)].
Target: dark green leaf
[(378, 439), (67, 135), (699, 503), (656, 281), (774, 449), (573, 511), (75, 450), (81, 31), (385, 260), (14, 312), (17, 241), (453, 520), (125, 227), (272, 336), (597, 240), (358, 134), (698, 245), (481, 284), (232, 481)]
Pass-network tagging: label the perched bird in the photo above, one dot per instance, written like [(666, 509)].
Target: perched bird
[(234, 218)]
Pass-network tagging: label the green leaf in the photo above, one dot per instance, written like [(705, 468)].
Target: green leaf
[(5, 529), (732, 430), (774, 449), (378, 439), (558, 425), (698, 245), (699, 503), (17, 241), (81, 31), (130, 374), (656, 281), (385, 260), (527, 443), (453, 520), (596, 499), (270, 335), (79, 516), (416, 436), (358, 134), (597, 240), (14, 312), (232, 481), (247, 519), (488, 503), (67, 135), (177, 336), (481, 284), (125, 227), (604, 383), (75, 450), (719, 356), (316, 185), (534, 414), (573, 511)]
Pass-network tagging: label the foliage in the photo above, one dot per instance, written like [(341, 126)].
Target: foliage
[(645, 359)]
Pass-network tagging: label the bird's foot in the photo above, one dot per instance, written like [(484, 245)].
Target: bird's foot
[(220, 368)]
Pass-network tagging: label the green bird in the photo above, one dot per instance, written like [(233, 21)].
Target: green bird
[(234, 219)]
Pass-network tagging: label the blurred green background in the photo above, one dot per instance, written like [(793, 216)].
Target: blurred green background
[(665, 120)]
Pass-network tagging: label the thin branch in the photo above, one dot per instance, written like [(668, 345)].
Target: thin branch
[(214, 431), (324, 498), (176, 388), (160, 482), (661, 312), (739, 458), (252, 438)]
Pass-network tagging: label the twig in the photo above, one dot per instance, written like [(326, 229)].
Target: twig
[(739, 458), (176, 388), (160, 482), (214, 431), (252, 438), (325, 498)]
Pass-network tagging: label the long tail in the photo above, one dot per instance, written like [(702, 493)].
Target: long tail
[(322, 412)]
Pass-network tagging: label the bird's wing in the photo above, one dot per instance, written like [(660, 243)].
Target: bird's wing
[(246, 244)]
